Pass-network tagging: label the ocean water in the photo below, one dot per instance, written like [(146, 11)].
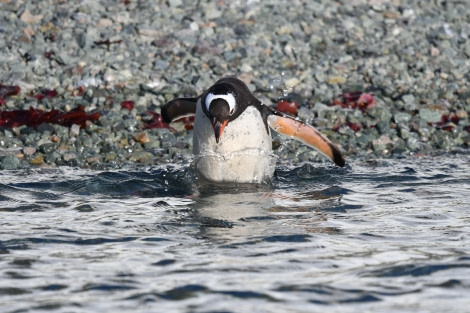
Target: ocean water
[(380, 235)]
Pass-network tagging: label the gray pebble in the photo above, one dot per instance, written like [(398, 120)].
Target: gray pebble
[(402, 117), (430, 116), (47, 148), (10, 162)]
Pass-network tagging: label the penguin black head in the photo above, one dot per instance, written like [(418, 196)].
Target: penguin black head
[(224, 102)]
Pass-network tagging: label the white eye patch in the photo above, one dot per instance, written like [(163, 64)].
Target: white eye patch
[(229, 98)]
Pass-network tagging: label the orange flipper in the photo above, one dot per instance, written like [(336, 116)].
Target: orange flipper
[(308, 135)]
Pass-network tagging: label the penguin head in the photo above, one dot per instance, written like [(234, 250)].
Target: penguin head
[(224, 102), (219, 108)]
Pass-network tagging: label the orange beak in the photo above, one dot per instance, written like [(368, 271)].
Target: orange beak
[(218, 129)]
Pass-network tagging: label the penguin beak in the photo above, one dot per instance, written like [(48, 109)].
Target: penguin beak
[(218, 129)]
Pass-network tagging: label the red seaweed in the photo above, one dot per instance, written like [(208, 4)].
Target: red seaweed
[(46, 93), (157, 122), (355, 100), (34, 117), (49, 54), (188, 122), (355, 127), (79, 92), (290, 107), (128, 104), (6, 91), (448, 122), (39, 97), (50, 93)]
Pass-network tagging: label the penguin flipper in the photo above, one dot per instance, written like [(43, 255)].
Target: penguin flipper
[(178, 108), (307, 134)]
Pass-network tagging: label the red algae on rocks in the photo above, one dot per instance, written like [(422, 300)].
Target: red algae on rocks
[(188, 122), (127, 104), (34, 117), (6, 91), (290, 107), (157, 122), (46, 93), (355, 100)]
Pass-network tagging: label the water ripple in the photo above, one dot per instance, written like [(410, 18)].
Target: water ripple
[(377, 235)]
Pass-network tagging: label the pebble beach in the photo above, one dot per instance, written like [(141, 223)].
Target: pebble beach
[(381, 78)]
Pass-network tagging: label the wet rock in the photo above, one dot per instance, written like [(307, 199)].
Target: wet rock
[(110, 157), (308, 115), (364, 141), (10, 162), (141, 156), (29, 150), (399, 146), (403, 131), (37, 160), (47, 148), (93, 159), (51, 158), (383, 126), (69, 157), (382, 145), (142, 138), (153, 144), (413, 144), (466, 139)]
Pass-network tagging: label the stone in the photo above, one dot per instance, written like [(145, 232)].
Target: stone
[(93, 159), (382, 145), (10, 162), (402, 117), (47, 147), (430, 116), (29, 150), (69, 156), (110, 157), (38, 160), (142, 138), (74, 130), (336, 80), (105, 22), (52, 157), (29, 18)]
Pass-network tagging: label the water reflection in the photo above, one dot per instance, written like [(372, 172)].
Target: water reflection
[(231, 211), (376, 236)]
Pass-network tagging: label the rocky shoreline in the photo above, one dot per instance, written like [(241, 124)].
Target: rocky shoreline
[(381, 78)]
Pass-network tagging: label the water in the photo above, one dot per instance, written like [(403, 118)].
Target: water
[(375, 236)]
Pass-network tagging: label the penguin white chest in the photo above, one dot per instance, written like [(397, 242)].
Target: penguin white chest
[(243, 154)]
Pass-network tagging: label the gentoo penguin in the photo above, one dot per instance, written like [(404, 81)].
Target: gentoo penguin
[(231, 137)]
